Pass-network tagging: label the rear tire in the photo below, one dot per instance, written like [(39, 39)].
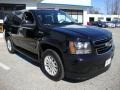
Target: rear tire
[(10, 45), (51, 65)]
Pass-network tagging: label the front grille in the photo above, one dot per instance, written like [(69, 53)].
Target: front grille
[(102, 46)]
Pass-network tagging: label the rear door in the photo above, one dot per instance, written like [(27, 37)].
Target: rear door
[(14, 24)]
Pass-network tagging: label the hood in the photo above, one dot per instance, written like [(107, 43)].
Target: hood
[(86, 31)]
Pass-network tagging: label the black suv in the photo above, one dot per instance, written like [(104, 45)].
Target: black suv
[(63, 48)]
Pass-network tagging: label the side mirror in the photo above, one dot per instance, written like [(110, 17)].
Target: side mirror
[(28, 24)]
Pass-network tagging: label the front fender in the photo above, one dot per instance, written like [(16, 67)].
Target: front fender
[(54, 43), (60, 46)]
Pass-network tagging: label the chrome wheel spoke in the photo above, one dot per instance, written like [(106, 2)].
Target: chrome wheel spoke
[(9, 46), (50, 65)]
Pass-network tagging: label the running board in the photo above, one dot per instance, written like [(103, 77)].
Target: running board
[(28, 54)]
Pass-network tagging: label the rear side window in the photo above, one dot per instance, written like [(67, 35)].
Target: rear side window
[(29, 17)]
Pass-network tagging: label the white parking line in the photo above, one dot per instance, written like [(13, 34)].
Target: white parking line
[(4, 66), (2, 40)]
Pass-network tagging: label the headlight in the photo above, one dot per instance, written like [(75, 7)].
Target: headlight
[(80, 47)]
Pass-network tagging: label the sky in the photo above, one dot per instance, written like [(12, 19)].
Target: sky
[(100, 4)]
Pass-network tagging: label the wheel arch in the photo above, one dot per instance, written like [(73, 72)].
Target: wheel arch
[(6, 35), (48, 45)]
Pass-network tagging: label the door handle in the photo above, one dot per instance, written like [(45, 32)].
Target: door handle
[(40, 32)]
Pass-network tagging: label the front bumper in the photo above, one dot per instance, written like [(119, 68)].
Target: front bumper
[(86, 66)]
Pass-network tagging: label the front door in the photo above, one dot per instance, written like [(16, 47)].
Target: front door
[(27, 35)]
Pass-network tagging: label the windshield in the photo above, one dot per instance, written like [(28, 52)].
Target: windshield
[(51, 17)]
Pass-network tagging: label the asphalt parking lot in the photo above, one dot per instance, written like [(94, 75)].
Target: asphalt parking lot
[(18, 73)]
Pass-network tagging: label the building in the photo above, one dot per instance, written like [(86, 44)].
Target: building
[(101, 17), (76, 8)]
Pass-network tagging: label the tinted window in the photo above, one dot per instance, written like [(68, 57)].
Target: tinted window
[(54, 17), (29, 17)]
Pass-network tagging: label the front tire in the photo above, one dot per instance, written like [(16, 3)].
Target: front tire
[(51, 65), (10, 46)]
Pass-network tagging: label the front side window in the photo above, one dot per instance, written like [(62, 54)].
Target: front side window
[(62, 18)]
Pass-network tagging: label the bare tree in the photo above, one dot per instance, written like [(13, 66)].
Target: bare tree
[(112, 6), (94, 10), (116, 6), (108, 6)]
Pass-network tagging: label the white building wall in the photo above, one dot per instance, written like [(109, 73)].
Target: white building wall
[(85, 17), (33, 3), (97, 16), (68, 4)]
